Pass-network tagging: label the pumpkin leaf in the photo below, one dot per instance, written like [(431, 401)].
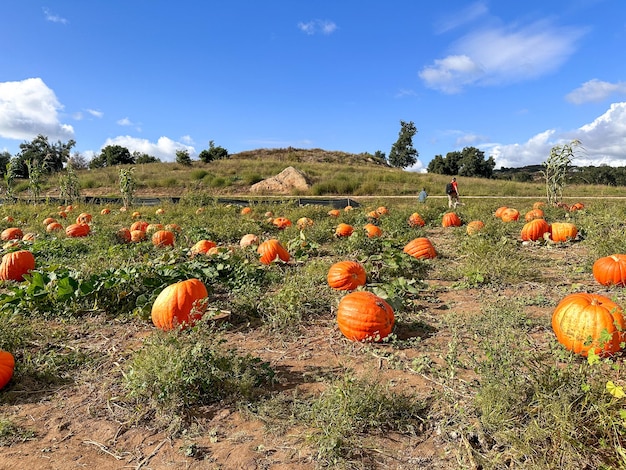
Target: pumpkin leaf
[(593, 358), (616, 390)]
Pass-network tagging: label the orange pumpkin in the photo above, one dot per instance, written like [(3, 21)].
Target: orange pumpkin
[(372, 230), (11, 233), (15, 264), (8, 219), (420, 248), (181, 304), (245, 210), (7, 366), (382, 210), (105, 211), (174, 228), (373, 215), (123, 235), (271, 250), (346, 275), (137, 236), (510, 215), (563, 231), (281, 222), (83, 218), (139, 225), (474, 227), (610, 270), (48, 220), (151, 228), (62, 214), (499, 211), (538, 204), (576, 207), (202, 247), (450, 219), (248, 239), (415, 220), (363, 316), (334, 212), (77, 230), (584, 322), (162, 238), (29, 237), (344, 230), (160, 211), (304, 222), (533, 214), (53, 227), (136, 215), (534, 230)]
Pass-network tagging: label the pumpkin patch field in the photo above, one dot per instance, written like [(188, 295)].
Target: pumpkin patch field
[(391, 335)]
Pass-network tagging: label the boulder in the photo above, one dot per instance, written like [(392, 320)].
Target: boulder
[(284, 183)]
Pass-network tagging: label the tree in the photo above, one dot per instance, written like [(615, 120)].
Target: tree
[(468, 162), (402, 153), (141, 158), (182, 157), (5, 158), (112, 155), (556, 168), (77, 161), (50, 156), (213, 153)]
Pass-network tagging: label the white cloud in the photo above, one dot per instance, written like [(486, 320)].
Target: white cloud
[(124, 122), (29, 108), (95, 113), (595, 91), (164, 149), (187, 139), (467, 15), (54, 18), (603, 143), (325, 27), (495, 56)]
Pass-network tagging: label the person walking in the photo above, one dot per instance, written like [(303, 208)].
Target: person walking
[(422, 195), (452, 190)]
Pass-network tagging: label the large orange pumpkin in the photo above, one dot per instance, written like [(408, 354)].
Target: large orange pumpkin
[(334, 213), (271, 250), (281, 222), (83, 218), (123, 235), (202, 247), (363, 316), (15, 264), (533, 214), (372, 230), (7, 365), (420, 248), (584, 322), (54, 227), (344, 230), (163, 238), (49, 220), (416, 220), (474, 227), (510, 215), (137, 236), (346, 275), (182, 304), (77, 230), (139, 225), (563, 231), (11, 233), (499, 211), (534, 230), (610, 270), (450, 219)]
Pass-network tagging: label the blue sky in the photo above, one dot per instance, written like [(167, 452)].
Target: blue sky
[(511, 78)]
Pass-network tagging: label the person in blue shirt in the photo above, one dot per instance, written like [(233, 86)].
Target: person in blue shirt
[(422, 195)]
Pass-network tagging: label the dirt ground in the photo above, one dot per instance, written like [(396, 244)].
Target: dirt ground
[(78, 425)]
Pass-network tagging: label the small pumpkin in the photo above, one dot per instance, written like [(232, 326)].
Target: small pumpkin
[(29, 237), (180, 304), (137, 236), (499, 211), (48, 220), (510, 215), (174, 228), (15, 264), (474, 227), (538, 205), (77, 230), (7, 366), (245, 210), (281, 222), (271, 250), (363, 316), (344, 230), (382, 210), (563, 231), (610, 270), (54, 227), (159, 211), (8, 219), (162, 238), (420, 248), (123, 235), (155, 227), (372, 230), (202, 247), (534, 230), (136, 214), (304, 222), (84, 218), (373, 215), (583, 322), (533, 214), (62, 214), (139, 225), (346, 275), (11, 233), (105, 211), (334, 213), (577, 207), (450, 219), (416, 220), (248, 239)]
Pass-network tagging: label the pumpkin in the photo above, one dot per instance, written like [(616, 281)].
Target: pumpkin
[(348, 208), (62, 214), (105, 211), (248, 239), (271, 250), (53, 227), (181, 304), (474, 227), (281, 222), (373, 215), (151, 228), (346, 275), (162, 238), (576, 207), (334, 212), (48, 220), (610, 270), (123, 209), (202, 247), (510, 215), (415, 220), (538, 204), (372, 230), (69, 208), (583, 322), (123, 235), (137, 236), (245, 210), (563, 231), (8, 219), (382, 210), (199, 210), (363, 316), (533, 214), (304, 222), (344, 230), (139, 225), (7, 366), (450, 219), (11, 233), (77, 230), (29, 237), (136, 215), (499, 211), (534, 230), (269, 214), (420, 248), (15, 264), (159, 211), (83, 218), (174, 228)]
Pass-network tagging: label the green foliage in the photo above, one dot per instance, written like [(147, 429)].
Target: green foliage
[(468, 162), (213, 153), (556, 168), (112, 155), (402, 153), (127, 185), (182, 157), (69, 185)]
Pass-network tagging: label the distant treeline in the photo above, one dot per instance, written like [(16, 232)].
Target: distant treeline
[(602, 175)]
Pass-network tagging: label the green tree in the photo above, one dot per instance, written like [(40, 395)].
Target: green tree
[(182, 157), (213, 153), (51, 157), (141, 158), (472, 163), (112, 155), (402, 153)]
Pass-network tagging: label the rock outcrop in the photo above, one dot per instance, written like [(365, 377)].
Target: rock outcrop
[(285, 182)]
